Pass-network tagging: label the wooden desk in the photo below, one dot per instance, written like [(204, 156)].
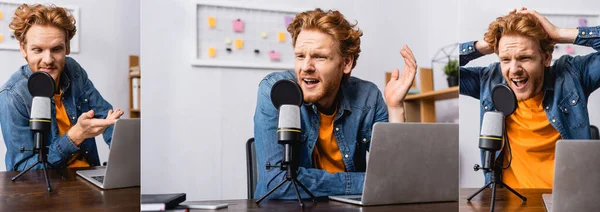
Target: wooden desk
[(505, 200), (325, 205), (29, 193)]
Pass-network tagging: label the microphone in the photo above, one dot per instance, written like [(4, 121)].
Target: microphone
[(41, 86), (490, 139), (287, 97)]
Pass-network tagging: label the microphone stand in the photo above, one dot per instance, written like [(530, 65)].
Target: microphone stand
[(41, 149), (291, 174), (494, 181)]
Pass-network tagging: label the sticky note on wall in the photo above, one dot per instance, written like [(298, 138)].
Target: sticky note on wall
[(212, 22), (570, 50), (1, 15), (212, 51), (583, 22), (281, 37), (239, 43), (274, 56), (238, 25), (1, 37)]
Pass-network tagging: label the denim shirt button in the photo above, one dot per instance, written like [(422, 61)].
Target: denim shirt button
[(573, 101), (583, 33), (553, 120), (346, 155), (547, 107), (486, 107), (73, 117), (365, 140), (470, 47), (337, 129), (591, 33), (464, 50)]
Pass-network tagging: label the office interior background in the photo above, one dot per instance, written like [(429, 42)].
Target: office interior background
[(105, 43), (474, 18), (197, 119)]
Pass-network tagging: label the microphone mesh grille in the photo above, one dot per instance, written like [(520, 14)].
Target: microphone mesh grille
[(492, 124), (40, 108), (289, 116)]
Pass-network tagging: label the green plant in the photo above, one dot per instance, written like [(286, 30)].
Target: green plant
[(451, 69)]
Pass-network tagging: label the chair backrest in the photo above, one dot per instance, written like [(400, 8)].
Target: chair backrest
[(595, 132), (251, 168)]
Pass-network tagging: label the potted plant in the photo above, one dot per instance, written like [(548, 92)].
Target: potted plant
[(451, 71)]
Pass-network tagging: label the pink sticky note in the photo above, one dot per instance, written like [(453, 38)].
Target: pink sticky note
[(570, 50), (274, 56), (583, 22), (288, 20), (238, 25)]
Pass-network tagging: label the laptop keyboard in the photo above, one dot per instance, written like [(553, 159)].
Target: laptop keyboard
[(99, 178)]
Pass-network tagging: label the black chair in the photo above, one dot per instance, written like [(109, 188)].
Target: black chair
[(251, 168), (595, 132)]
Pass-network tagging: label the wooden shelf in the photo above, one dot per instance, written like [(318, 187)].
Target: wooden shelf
[(448, 93)]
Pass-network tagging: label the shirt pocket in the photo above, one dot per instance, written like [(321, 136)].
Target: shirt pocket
[(571, 109), (82, 104)]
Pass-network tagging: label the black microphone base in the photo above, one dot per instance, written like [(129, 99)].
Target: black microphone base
[(44, 163), (495, 183), (294, 182)]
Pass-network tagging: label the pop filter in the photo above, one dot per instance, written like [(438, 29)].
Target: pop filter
[(504, 99), (286, 92), (41, 84)]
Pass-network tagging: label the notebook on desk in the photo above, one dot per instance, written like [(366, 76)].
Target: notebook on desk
[(410, 163), (123, 168), (576, 177), (160, 202)]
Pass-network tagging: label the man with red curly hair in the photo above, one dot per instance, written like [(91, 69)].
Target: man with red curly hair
[(338, 111), (79, 113), (552, 99)]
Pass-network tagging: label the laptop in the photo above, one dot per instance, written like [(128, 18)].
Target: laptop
[(410, 163), (123, 168), (576, 177)]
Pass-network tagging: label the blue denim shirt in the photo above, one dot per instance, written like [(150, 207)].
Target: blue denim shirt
[(79, 96), (360, 106), (567, 85)]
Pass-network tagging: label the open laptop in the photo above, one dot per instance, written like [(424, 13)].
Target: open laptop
[(410, 163), (576, 177), (123, 169)]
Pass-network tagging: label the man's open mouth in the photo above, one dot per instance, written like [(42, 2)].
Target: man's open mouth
[(519, 82)]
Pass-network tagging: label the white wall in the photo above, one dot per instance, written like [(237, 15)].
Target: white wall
[(109, 33), (197, 120), (475, 17)]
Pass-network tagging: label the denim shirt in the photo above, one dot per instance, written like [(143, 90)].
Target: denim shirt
[(567, 85), (79, 96), (360, 106)]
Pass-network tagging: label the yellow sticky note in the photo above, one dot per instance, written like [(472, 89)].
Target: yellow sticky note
[(212, 22), (212, 52), (239, 43), (281, 36), (1, 37), (0, 15)]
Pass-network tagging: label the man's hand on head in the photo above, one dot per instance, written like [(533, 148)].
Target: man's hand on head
[(559, 35), (399, 84), (87, 126)]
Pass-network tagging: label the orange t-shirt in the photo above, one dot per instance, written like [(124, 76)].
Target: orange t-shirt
[(63, 126), (532, 141), (327, 155)]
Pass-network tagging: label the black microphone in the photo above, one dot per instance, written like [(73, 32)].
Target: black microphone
[(41, 86), (287, 97), (490, 139)]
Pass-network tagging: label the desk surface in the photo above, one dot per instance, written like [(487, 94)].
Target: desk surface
[(505, 200), (71, 194), (325, 205)]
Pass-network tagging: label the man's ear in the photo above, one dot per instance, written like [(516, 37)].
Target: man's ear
[(547, 59), (22, 48), (348, 62)]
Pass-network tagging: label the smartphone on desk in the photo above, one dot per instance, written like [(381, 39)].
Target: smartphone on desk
[(203, 205)]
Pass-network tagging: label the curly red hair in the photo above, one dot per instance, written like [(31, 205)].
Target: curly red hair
[(518, 24), (37, 14), (332, 23)]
